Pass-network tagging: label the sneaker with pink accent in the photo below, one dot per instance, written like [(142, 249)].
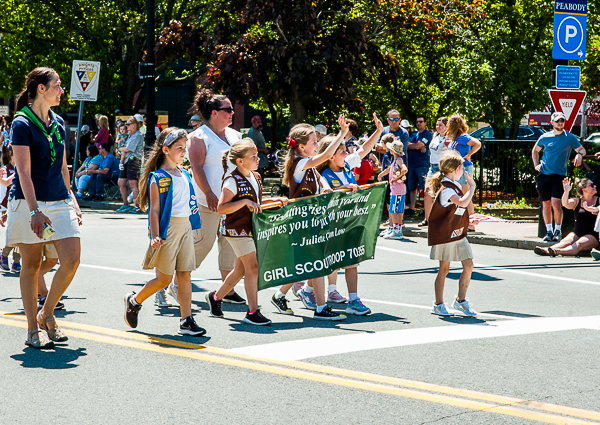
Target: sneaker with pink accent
[(336, 297), (296, 289)]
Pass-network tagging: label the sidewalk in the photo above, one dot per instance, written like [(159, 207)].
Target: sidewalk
[(503, 234)]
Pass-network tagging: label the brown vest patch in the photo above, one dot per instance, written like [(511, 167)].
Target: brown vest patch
[(239, 223), (447, 224)]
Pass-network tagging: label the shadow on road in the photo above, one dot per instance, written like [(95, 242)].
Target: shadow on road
[(58, 358), (433, 271)]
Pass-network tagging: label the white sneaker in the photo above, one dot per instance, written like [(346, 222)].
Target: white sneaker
[(396, 235), (385, 232), (465, 307), (160, 299), (172, 291), (440, 310)]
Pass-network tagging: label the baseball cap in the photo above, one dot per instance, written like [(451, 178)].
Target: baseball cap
[(85, 129), (321, 129), (194, 118), (405, 124), (255, 118), (557, 115), (139, 117)]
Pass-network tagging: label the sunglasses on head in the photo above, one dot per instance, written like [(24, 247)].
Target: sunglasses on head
[(227, 109), (394, 119)]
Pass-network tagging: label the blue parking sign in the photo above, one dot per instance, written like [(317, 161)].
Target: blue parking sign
[(570, 28)]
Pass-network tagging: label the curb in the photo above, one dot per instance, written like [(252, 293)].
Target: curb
[(99, 205)]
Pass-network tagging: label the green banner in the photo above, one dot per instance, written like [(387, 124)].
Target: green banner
[(311, 237)]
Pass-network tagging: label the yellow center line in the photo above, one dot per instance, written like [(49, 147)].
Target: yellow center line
[(501, 404)]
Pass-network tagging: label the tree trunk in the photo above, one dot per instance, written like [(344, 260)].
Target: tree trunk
[(274, 126), (297, 109), (514, 130)]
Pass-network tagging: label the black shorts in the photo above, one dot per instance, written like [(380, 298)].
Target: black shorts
[(549, 186), (131, 170)]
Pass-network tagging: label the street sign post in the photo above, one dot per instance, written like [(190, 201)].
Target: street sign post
[(570, 27), (569, 103), (85, 76), (568, 77)]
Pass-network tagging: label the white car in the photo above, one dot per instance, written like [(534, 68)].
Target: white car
[(594, 137)]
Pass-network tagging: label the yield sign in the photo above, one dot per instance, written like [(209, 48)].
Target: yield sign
[(569, 103)]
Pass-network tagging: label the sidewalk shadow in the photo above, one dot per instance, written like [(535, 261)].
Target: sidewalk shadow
[(453, 274), (58, 358)]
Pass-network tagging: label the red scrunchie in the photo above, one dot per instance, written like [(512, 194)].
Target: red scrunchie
[(291, 143)]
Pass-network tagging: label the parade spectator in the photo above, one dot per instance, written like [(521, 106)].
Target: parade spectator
[(583, 237), (393, 119), (418, 161), (439, 144), (102, 136), (195, 122), (397, 171), (255, 134), (42, 179), (365, 172), (108, 170), (121, 138), (84, 141), (405, 124), (141, 120), (7, 172), (466, 146), (557, 145), (320, 131), (131, 156), (205, 149), (82, 175)]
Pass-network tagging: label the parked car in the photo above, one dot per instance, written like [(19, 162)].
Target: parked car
[(526, 132), (594, 137)]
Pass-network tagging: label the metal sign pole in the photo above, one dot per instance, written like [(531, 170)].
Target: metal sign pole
[(76, 156)]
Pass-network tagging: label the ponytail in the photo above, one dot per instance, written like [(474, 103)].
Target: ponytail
[(299, 135), (237, 151), (224, 162), (34, 79), (434, 183)]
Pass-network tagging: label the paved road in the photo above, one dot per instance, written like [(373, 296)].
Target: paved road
[(530, 356)]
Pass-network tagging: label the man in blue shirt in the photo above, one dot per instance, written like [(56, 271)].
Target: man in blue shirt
[(557, 145), (108, 170), (418, 161), (393, 118)]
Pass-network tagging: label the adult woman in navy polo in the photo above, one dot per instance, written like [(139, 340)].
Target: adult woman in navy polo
[(41, 197)]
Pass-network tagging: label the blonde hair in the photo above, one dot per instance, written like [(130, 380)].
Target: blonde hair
[(153, 162), (238, 151), (449, 162), (323, 145), (457, 126), (580, 184), (300, 133), (136, 122), (103, 121)]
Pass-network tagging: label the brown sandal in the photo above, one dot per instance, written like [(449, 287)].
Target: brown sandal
[(56, 334), (40, 342)]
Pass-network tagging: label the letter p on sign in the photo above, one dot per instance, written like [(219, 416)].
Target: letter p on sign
[(570, 32)]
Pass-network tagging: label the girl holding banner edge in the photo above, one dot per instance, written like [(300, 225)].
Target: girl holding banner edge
[(303, 180), (338, 173), (240, 198)]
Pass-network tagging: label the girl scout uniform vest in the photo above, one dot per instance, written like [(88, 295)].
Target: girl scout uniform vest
[(334, 180), (447, 224), (239, 223), (309, 184)]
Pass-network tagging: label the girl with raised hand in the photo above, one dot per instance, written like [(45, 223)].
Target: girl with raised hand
[(167, 192), (303, 180), (448, 223), (240, 198)]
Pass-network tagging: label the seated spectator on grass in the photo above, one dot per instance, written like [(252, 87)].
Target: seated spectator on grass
[(108, 170), (83, 175), (583, 237)]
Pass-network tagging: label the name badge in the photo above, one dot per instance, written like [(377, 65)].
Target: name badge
[(459, 211)]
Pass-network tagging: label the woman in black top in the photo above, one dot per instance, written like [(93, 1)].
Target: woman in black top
[(41, 197), (583, 237)]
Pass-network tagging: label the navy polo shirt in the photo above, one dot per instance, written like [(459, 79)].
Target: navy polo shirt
[(416, 158), (47, 179)]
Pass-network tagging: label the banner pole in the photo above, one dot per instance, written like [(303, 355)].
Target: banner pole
[(76, 156)]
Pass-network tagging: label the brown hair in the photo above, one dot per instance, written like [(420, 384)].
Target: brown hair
[(449, 162), (153, 162), (34, 79), (352, 127), (580, 184), (205, 102), (237, 151), (457, 126), (387, 138), (323, 145), (300, 133), (7, 152)]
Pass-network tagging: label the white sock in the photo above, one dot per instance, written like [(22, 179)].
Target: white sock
[(279, 294), (557, 227), (548, 227), (331, 288), (321, 307), (307, 289), (352, 296)]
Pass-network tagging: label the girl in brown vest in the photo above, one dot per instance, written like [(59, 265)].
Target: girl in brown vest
[(303, 180), (241, 196), (448, 223)]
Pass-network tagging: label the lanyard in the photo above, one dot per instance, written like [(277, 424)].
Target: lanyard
[(28, 113)]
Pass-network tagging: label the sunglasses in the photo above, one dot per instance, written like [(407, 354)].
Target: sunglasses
[(394, 119), (419, 122), (560, 120), (227, 109)]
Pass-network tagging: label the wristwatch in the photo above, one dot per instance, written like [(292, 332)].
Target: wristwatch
[(34, 212)]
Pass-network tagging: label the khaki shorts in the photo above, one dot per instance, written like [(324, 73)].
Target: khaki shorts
[(242, 246), (61, 213), (204, 239), (452, 251), (176, 252)]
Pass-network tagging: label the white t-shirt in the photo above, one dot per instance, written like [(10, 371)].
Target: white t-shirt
[(232, 186), (437, 148), (300, 171), (213, 165), (448, 193), (181, 195), (353, 160)]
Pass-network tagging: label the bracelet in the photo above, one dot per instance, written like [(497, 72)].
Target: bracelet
[(34, 212)]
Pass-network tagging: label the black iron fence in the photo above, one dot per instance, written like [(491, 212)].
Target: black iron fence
[(504, 170)]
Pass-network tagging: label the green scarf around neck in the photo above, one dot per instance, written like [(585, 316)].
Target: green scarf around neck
[(31, 116)]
